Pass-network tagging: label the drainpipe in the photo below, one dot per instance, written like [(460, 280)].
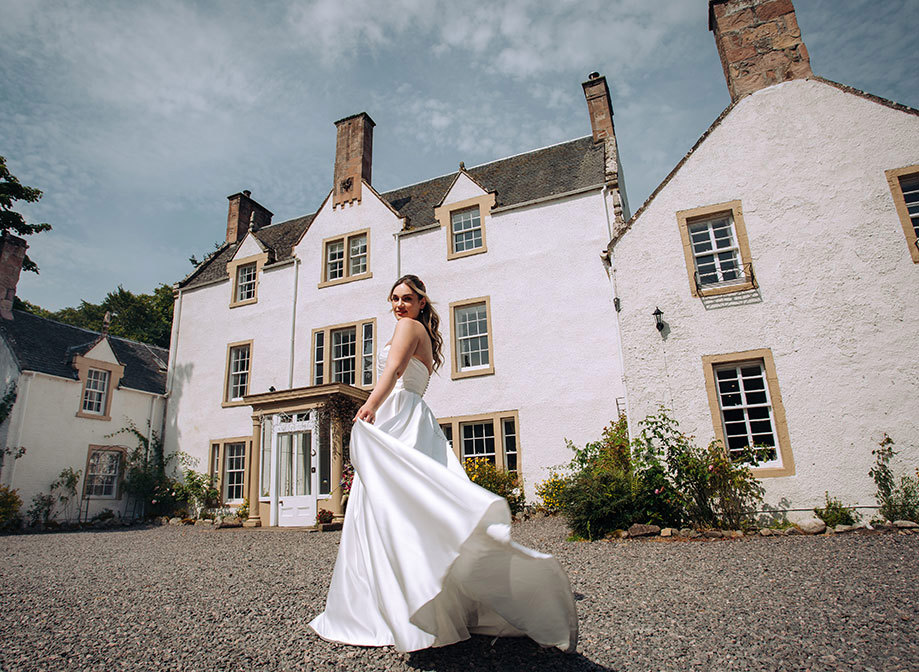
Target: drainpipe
[(611, 260), (293, 325), (397, 235), (173, 346)]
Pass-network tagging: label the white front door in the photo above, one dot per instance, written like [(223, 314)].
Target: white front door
[(296, 478)]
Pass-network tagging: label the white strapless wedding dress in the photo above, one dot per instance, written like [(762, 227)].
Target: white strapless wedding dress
[(426, 556)]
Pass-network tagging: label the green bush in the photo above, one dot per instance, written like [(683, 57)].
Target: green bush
[(483, 473), (898, 501), (40, 511), (10, 503), (711, 489), (834, 513), (604, 492)]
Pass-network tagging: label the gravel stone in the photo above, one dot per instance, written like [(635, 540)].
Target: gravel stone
[(812, 526), (187, 598)]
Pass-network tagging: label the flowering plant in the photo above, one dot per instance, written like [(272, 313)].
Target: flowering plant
[(324, 517), (347, 477)]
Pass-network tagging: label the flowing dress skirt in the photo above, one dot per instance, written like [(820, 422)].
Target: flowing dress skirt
[(426, 556)]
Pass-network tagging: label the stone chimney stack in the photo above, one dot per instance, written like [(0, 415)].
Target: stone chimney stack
[(759, 43), (599, 106), (243, 212), (353, 157), (12, 252)]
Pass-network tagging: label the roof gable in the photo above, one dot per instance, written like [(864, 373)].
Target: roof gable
[(47, 346), (249, 246)]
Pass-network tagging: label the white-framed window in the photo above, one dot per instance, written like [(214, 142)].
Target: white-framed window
[(238, 368), (346, 258), (234, 471), (492, 436), (746, 410), (245, 282), (344, 354), (95, 392), (103, 471), (335, 260), (716, 253), (472, 339), (357, 254), (466, 230)]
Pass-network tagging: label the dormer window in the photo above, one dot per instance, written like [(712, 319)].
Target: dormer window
[(95, 393), (244, 277), (466, 230), (245, 282), (346, 258)]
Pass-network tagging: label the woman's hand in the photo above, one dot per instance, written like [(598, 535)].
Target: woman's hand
[(366, 413)]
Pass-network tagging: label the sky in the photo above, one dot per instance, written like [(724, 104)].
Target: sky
[(137, 120)]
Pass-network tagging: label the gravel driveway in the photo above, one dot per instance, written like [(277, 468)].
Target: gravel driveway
[(186, 598)]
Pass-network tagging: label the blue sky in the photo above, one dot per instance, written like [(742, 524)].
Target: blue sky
[(138, 119)]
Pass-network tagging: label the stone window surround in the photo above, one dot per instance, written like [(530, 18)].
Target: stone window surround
[(233, 269), (358, 351), (345, 239), (116, 372), (93, 448), (457, 421), (225, 395), (709, 362), (455, 372), (687, 217), (893, 181), (444, 216), (218, 479)]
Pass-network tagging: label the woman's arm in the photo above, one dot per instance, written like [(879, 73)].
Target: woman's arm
[(404, 344)]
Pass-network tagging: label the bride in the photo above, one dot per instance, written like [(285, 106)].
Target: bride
[(426, 557)]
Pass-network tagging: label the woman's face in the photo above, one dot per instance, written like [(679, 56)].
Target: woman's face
[(405, 303)]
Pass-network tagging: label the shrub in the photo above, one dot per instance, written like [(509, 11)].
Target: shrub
[(10, 503), (550, 492), (40, 511), (503, 483), (834, 513), (897, 501), (242, 511), (711, 489), (198, 491)]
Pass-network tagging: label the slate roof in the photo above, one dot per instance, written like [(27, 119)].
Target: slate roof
[(550, 171), (46, 346)]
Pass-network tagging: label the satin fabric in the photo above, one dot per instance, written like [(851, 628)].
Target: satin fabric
[(426, 556)]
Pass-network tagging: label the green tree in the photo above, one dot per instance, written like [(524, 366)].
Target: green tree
[(10, 220)]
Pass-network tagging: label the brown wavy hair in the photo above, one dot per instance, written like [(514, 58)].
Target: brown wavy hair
[(428, 316)]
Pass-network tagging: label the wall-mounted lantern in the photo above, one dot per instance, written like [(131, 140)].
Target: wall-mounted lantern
[(658, 318)]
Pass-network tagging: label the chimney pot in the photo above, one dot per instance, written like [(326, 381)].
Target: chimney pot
[(353, 157), (247, 193), (759, 43)]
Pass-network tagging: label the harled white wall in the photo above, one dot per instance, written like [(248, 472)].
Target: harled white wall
[(837, 302)]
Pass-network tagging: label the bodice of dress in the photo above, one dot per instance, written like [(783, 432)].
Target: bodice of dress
[(415, 378)]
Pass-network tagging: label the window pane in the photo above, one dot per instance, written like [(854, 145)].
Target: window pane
[(344, 343), (318, 358), (447, 429), (479, 440), (95, 391), (245, 282), (367, 354), (358, 254), (467, 230), (718, 234), (746, 410), (471, 337), (234, 470), (325, 462), (239, 372), (335, 260), (510, 444)]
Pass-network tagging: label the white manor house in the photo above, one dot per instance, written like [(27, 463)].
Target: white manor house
[(765, 292)]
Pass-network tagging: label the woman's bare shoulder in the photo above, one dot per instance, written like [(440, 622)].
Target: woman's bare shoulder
[(410, 328)]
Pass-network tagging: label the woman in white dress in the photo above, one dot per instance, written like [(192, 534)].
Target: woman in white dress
[(426, 557)]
